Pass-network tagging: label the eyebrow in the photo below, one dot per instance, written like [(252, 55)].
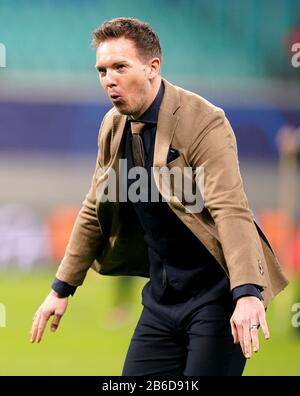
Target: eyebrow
[(99, 67)]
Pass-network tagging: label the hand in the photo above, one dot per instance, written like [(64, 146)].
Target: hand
[(53, 305), (248, 313)]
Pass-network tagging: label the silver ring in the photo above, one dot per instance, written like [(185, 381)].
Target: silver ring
[(254, 326)]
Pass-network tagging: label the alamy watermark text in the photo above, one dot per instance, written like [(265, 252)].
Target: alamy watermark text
[(296, 57)]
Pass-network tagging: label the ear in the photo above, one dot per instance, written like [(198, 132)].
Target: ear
[(154, 68)]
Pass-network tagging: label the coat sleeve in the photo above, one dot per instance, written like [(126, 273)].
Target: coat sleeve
[(215, 150), (85, 240)]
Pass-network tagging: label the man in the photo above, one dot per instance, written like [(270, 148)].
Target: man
[(212, 271)]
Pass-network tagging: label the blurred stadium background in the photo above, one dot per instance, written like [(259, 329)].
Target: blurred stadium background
[(237, 55)]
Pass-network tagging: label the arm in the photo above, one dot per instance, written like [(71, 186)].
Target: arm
[(85, 241), (215, 150), (82, 249)]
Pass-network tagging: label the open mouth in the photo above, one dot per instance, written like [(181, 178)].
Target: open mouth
[(115, 98)]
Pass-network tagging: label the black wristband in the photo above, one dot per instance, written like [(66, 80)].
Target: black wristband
[(246, 290), (63, 289)]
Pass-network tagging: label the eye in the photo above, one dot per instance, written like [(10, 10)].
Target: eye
[(101, 70), (120, 67)]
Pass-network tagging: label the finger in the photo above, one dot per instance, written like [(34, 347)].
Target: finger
[(41, 327), (254, 338), (55, 322), (247, 340), (264, 325), (234, 332), (241, 337), (36, 314), (34, 329)]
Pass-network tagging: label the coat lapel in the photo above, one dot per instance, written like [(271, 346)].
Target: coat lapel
[(166, 125), (118, 128)]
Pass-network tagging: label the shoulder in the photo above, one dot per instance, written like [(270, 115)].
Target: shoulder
[(191, 108), (197, 106), (196, 114), (201, 124)]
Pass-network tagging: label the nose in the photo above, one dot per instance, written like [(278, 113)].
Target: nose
[(109, 79)]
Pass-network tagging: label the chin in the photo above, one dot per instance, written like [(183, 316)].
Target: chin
[(123, 110)]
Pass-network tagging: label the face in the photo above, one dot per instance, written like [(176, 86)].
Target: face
[(126, 78)]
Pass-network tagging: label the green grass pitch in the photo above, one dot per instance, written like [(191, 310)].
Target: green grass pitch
[(89, 343)]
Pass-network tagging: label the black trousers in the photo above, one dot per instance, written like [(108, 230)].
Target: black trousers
[(188, 338)]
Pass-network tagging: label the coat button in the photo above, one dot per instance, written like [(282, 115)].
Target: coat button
[(261, 270)]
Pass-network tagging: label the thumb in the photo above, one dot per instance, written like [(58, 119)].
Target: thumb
[(55, 322)]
